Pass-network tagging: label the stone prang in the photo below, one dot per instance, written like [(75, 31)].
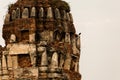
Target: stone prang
[(41, 42)]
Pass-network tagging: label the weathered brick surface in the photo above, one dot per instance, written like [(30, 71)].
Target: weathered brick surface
[(41, 42)]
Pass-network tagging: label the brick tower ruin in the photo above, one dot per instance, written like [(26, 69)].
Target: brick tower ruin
[(41, 42)]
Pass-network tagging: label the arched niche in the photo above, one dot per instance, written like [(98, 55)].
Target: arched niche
[(67, 38), (72, 35), (49, 13), (71, 17), (75, 63), (33, 12), (13, 15), (78, 41), (62, 60), (25, 13), (64, 15), (44, 59), (67, 63), (18, 13), (76, 66), (65, 25), (57, 13), (57, 35), (41, 12), (74, 45), (54, 60), (68, 16), (7, 18), (4, 64)]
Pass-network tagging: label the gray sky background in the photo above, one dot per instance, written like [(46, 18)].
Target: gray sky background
[(99, 23)]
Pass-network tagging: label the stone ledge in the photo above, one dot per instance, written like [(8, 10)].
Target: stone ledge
[(43, 69)]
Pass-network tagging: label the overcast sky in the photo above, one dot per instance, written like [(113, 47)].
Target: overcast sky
[(99, 23)]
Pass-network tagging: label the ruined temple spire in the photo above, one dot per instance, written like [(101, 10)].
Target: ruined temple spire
[(41, 42)]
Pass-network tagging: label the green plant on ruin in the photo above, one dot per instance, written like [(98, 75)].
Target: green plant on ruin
[(60, 4)]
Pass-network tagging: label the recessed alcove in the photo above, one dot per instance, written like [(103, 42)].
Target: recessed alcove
[(24, 60), (25, 35)]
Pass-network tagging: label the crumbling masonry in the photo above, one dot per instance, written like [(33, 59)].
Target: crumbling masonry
[(41, 42)]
